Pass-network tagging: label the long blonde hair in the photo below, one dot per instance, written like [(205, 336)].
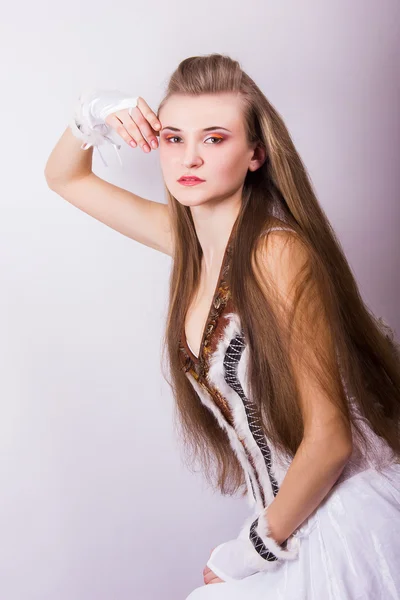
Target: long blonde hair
[(369, 357)]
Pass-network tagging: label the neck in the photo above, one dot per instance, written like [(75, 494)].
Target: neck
[(213, 228)]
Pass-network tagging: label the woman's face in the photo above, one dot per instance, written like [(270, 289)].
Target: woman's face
[(221, 156)]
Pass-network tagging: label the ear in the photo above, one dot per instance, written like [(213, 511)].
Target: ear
[(258, 158)]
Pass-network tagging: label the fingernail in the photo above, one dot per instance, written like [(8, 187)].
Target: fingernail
[(132, 143), (154, 143)]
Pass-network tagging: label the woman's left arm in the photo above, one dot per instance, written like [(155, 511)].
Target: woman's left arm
[(327, 441), (315, 468)]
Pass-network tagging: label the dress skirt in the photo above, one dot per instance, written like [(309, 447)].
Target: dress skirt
[(350, 549)]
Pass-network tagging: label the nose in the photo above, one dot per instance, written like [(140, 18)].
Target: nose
[(191, 158), (191, 162)]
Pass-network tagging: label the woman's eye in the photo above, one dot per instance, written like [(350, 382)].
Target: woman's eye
[(176, 137), (214, 138)]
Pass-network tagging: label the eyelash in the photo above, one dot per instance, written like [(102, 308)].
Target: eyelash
[(172, 137)]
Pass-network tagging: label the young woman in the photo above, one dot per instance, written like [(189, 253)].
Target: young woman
[(287, 387)]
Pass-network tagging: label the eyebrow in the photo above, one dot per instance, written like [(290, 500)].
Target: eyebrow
[(212, 128)]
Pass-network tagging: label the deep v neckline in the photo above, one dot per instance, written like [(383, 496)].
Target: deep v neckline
[(198, 358)]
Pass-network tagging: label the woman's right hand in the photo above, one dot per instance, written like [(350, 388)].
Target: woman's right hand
[(140, 129)]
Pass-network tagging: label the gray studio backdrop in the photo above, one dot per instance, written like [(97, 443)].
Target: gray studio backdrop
[(95, 503)]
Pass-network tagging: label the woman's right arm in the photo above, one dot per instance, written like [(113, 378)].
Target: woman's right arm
[(68, 172)]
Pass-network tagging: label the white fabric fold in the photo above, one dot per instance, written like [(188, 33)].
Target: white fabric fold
[(88, 122)]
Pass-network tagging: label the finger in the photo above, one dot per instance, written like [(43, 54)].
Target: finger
[(146, 120), (145, 129), (216, 580), (211, 577), (208, 577), (131, 124), (126, 127), (134, 135), (149, 115), (141, 125)]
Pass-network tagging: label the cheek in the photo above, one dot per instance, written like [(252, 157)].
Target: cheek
[(167, 162), (169, 158), (230, 166)]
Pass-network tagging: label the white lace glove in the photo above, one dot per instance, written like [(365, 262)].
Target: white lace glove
[(88, 122)]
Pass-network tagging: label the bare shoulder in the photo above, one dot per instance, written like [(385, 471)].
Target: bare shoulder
[(281, 257), (281, 249)]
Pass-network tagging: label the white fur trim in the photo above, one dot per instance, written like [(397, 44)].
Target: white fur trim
[(237, 447), (263, 530), (216, 377)]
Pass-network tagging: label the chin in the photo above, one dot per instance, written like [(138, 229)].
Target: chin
[(191, 201), (190, 197)]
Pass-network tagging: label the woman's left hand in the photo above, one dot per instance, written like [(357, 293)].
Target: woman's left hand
[(210, 577)]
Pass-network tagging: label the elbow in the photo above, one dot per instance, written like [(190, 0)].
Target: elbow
[(49, 180), (335, 448), (343, 444), (338, 454), (343, 453)]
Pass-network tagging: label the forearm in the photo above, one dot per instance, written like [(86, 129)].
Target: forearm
[(315, 468), (67, 160), (311, 475)]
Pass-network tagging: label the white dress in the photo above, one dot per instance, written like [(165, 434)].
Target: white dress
[(348, 548)]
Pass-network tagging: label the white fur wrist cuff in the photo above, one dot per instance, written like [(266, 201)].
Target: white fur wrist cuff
[(267, 547)]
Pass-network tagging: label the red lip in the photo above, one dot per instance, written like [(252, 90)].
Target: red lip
[(190, 179)]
